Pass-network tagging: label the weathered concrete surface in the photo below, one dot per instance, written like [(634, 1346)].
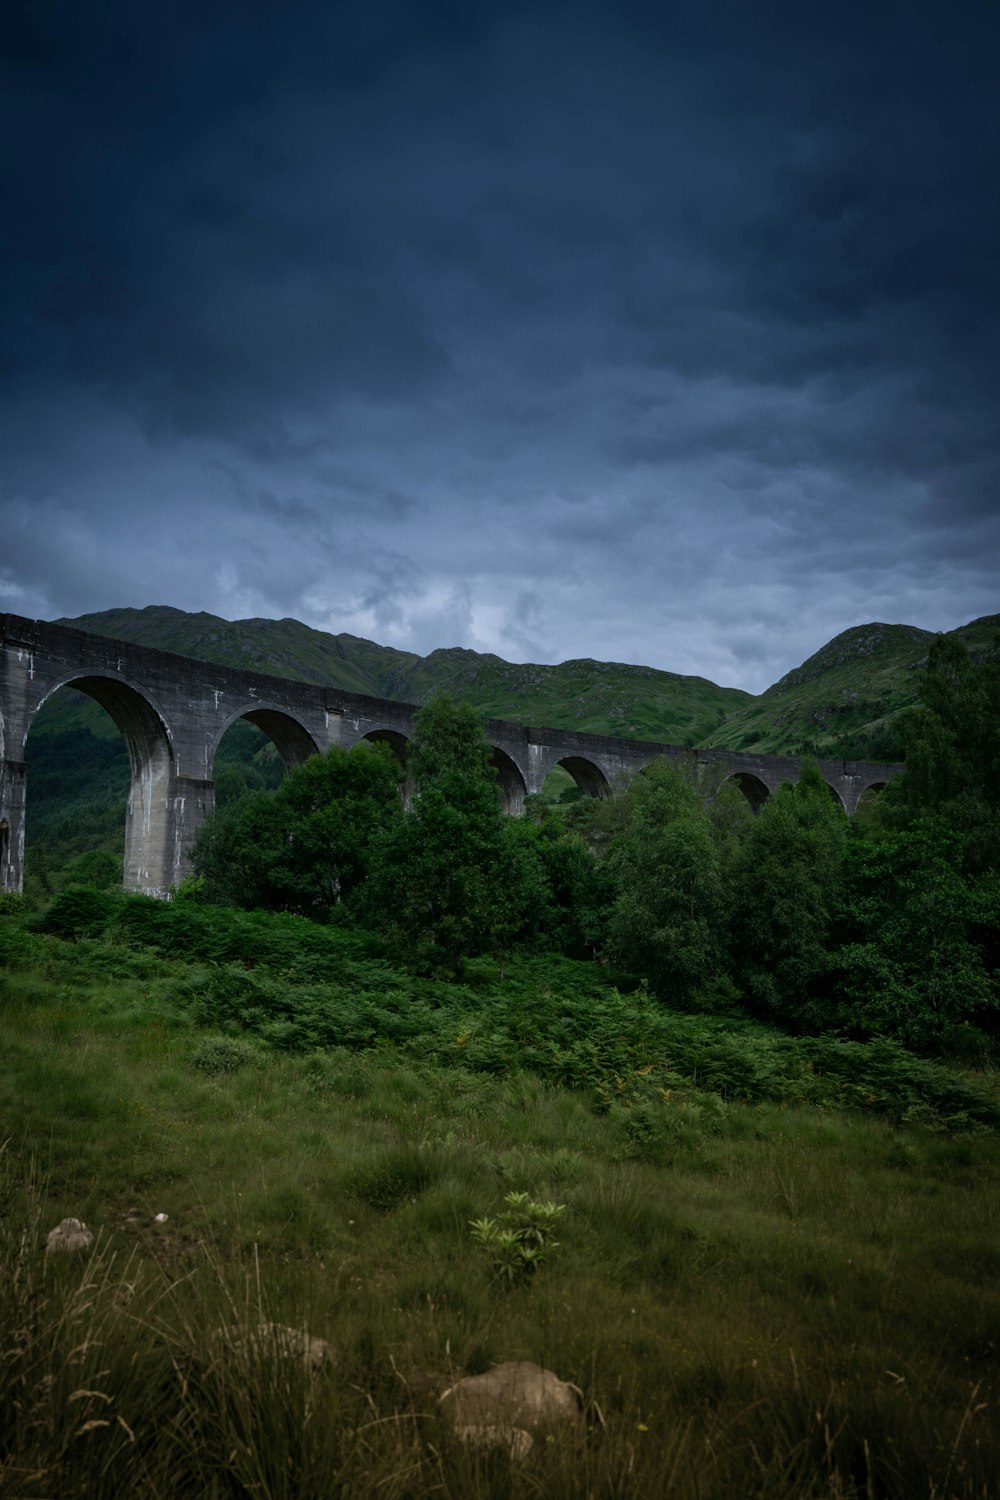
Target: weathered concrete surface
[(172, 712)]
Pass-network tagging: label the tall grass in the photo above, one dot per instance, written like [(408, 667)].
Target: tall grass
[(299, 987), (121, 1376), (765, 1296)]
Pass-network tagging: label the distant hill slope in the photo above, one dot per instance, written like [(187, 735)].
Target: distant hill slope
[(285, 648), (597, 697), (843, 701), (846, 699)]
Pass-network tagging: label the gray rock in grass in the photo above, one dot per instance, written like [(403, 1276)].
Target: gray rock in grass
[(69, 1237), (503, 1407), (516, 1440), (278, 1338)]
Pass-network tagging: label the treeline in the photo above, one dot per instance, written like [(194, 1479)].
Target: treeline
[(887, 924)]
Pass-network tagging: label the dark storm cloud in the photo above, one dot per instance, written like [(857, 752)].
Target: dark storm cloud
[(151, 254), (662, 333)]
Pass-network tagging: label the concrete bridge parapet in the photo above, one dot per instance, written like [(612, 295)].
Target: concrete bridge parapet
[(173, 710)]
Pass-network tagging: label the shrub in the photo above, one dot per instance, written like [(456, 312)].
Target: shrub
[(224, 1054), (520, 1239)]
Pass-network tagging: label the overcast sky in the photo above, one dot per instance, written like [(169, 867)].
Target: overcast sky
[(664, 334)]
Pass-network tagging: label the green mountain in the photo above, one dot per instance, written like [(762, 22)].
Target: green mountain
[(597, 697), (847, 698), (284, 648), (844, 701)]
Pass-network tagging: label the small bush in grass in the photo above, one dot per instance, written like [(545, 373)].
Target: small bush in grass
[(80, 911), (224, 1054), (520, 1239), (338, 1071)]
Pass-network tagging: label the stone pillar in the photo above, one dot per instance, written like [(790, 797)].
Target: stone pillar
[(538, 767), (164, 814), (193, 802), (12, 797)]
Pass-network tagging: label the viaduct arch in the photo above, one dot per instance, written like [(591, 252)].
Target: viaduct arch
[(173, 711)]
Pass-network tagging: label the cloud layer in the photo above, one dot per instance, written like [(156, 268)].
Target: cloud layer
[(552, 331)]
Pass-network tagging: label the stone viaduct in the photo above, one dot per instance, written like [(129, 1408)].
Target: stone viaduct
[(172, 712)]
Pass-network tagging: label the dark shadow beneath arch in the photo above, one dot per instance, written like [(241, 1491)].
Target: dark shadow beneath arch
[(399, 744), (147, 863), (865, 805), (246, 760), (138, 722), (589, 778), (753, 789), (512, 786), (293, 743)]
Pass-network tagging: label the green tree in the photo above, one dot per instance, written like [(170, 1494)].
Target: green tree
[(666, 920), (449, 745), (730, 818), (304, 847), (450, 880), (599, 821), (784, 898), (920, 920), (917, 954), (571, 892), (99, 868), (952, 745)]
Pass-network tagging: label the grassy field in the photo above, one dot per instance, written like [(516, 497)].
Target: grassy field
[(777, 1273)]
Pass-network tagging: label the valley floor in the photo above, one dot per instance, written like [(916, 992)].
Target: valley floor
[(769, 1298)]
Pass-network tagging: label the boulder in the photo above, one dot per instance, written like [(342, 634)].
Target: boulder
[(503, 1407), (517, 1442), (68, 1237), (278, 1338)]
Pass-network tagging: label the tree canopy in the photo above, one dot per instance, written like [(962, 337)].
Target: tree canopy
[(304, 847), (887, 924), (952, 769), (450, 879)]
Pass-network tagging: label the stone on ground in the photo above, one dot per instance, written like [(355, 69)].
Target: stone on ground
[(278, 1338), (503, 1407), (68, 1237), (517, 1442)]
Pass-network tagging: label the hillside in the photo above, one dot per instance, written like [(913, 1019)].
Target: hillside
[(776, 1263), (597, 697), (844, 700), (285, 648), (841, 700)]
